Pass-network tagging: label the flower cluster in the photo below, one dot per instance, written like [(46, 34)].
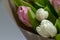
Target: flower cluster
[(41, 16)]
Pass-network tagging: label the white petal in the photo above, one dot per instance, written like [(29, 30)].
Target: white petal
[(42, 32), (41, 14), (51, 30), (49, 27)]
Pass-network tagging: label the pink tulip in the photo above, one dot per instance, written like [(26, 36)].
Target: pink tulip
[(56, 4), (23, 15)]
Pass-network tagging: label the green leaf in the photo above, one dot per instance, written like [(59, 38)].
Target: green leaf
[(57, 24), (51, 17), (16, 2), (58, 11), (57, 37), (41, 3), (52, 10), (23, 3), (32, 19)]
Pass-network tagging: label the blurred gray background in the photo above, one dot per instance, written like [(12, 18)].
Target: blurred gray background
[(8, 27)]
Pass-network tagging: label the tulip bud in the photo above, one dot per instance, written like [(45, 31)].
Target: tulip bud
[(23, 15), (46, 29), (41, 14), (56, 5)]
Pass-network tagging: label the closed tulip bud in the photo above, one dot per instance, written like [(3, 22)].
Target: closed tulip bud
[(46, 29), (41, 14), (23, 15)]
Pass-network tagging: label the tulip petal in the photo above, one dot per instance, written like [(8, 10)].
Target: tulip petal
[(23, 15)]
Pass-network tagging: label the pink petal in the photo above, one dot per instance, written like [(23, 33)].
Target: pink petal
[(23, 16)]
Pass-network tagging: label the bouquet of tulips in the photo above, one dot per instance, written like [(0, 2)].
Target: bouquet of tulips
[(41, 15)]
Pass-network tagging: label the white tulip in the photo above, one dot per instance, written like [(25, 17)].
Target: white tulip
[(46, 29), (41, 14), (41, 31)]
